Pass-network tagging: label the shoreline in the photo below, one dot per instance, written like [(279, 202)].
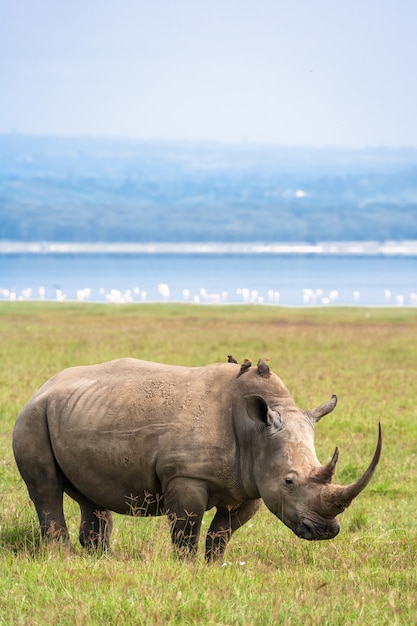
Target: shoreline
[(337, 248)]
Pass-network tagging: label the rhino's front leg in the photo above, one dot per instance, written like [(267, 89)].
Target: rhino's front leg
[(224, 524), (185, 502)]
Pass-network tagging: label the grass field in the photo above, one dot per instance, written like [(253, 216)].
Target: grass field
[(366, 575)]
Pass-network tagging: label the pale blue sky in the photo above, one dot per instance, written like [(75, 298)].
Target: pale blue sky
[(289, 72)]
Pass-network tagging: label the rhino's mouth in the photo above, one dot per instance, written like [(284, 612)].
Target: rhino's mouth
[(313, 531)]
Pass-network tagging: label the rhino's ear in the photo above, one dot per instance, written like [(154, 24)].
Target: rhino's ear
[(259, 411)]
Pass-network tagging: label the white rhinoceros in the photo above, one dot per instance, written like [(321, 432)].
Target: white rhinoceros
[(142, 438)]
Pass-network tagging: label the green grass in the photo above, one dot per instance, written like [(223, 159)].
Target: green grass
[(366, 575)]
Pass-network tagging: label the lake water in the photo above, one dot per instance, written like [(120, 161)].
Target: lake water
[(280, 279)]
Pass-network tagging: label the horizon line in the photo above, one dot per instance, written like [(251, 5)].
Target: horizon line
[(217, 142)]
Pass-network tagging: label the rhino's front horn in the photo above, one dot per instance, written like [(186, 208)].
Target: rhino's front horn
[(338, 498), (320, 411)]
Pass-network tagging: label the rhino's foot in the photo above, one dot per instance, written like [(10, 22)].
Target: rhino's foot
[(52, 532), (216, 543), (93, 542)]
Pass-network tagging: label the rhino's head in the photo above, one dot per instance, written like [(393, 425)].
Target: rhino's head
[(288, 476)]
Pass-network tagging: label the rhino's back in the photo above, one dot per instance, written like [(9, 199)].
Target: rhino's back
[(131, 422), (127, 391)]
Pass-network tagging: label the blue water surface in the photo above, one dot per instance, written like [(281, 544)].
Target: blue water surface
[(289, 280)]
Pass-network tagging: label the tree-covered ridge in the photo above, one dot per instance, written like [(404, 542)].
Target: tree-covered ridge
[(84, 189)]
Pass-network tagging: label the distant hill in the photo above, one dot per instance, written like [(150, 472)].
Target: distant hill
[(119, 190)]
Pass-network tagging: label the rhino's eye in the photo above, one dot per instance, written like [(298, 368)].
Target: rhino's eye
[(289, 481)]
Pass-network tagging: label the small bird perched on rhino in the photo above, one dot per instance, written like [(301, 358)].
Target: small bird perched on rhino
[(247, 363), (231, 359), (263, 368)]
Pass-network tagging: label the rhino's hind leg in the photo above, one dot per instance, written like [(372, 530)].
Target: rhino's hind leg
[(96, 523), (51, 514), (95, 528), (224, 524), (43, 477)]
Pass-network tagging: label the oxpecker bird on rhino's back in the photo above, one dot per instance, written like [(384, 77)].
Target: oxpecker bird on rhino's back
[(142, 438), (263, 368), (246, 365)]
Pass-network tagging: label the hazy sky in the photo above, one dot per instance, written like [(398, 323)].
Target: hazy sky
[(290, 72)]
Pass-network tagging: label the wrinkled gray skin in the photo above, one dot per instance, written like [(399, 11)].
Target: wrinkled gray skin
[(142, 438)]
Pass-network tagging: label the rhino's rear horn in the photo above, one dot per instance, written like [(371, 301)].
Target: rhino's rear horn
[(320, 411), (325, 474), (338, 498)]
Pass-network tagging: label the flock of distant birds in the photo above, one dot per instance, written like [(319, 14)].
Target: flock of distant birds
[(245, 296)]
